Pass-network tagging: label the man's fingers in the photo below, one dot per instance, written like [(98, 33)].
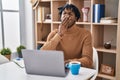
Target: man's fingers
[(65, 20), (66, 23)]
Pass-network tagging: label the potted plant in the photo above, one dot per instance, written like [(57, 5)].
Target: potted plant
[(6, 52), (19, 48)]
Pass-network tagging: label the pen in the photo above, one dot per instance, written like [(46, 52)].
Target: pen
[(18, 64)]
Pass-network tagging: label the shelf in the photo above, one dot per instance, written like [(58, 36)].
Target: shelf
[(41, 42), (59, 0), (46, 22), (102, 49), (56, 22), (106, 76), (115, 24), (84, 23), (45, 0)]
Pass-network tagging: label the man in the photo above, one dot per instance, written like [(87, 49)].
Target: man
[(75, 42)]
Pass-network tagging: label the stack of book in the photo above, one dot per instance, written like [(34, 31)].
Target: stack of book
[(42, 13), (108, 20)]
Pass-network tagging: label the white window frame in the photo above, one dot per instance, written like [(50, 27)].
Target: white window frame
[(21, 19)]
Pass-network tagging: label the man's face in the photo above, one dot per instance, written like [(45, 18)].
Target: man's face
[(68, 13)]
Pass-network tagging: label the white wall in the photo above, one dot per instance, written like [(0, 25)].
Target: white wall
[(29, 30), (0, 34)]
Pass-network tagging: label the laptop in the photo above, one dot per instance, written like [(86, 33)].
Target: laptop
[(43, 62)]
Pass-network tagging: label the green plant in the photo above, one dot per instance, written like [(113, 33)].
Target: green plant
[(19, 48), (5, 51)]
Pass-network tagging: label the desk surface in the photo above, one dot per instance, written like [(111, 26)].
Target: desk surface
[(11, 71)]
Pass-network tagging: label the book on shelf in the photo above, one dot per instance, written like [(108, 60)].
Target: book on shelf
[(98, 12), (40, 17), (42, 12)]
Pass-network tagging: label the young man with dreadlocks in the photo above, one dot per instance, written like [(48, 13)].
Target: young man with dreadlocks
[(75, 42)]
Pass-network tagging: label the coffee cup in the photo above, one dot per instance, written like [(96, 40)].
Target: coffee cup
[(74, 67)]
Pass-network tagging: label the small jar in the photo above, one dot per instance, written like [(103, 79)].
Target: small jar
[(107, 45)]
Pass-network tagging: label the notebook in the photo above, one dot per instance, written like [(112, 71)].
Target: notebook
[(19, 62), (41, 62)]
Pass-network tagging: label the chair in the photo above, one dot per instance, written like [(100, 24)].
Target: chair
[(95, 63), (3, 59)]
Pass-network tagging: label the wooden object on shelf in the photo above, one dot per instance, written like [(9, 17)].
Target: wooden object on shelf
[(106, 69), (44, 27)]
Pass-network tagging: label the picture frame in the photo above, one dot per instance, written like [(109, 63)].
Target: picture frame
[(106, 69)]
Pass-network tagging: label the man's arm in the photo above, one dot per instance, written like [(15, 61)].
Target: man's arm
[(52, 41), (87, 51), (55, 36)]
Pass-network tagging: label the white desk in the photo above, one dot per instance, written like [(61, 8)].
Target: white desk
[(11, 71)]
